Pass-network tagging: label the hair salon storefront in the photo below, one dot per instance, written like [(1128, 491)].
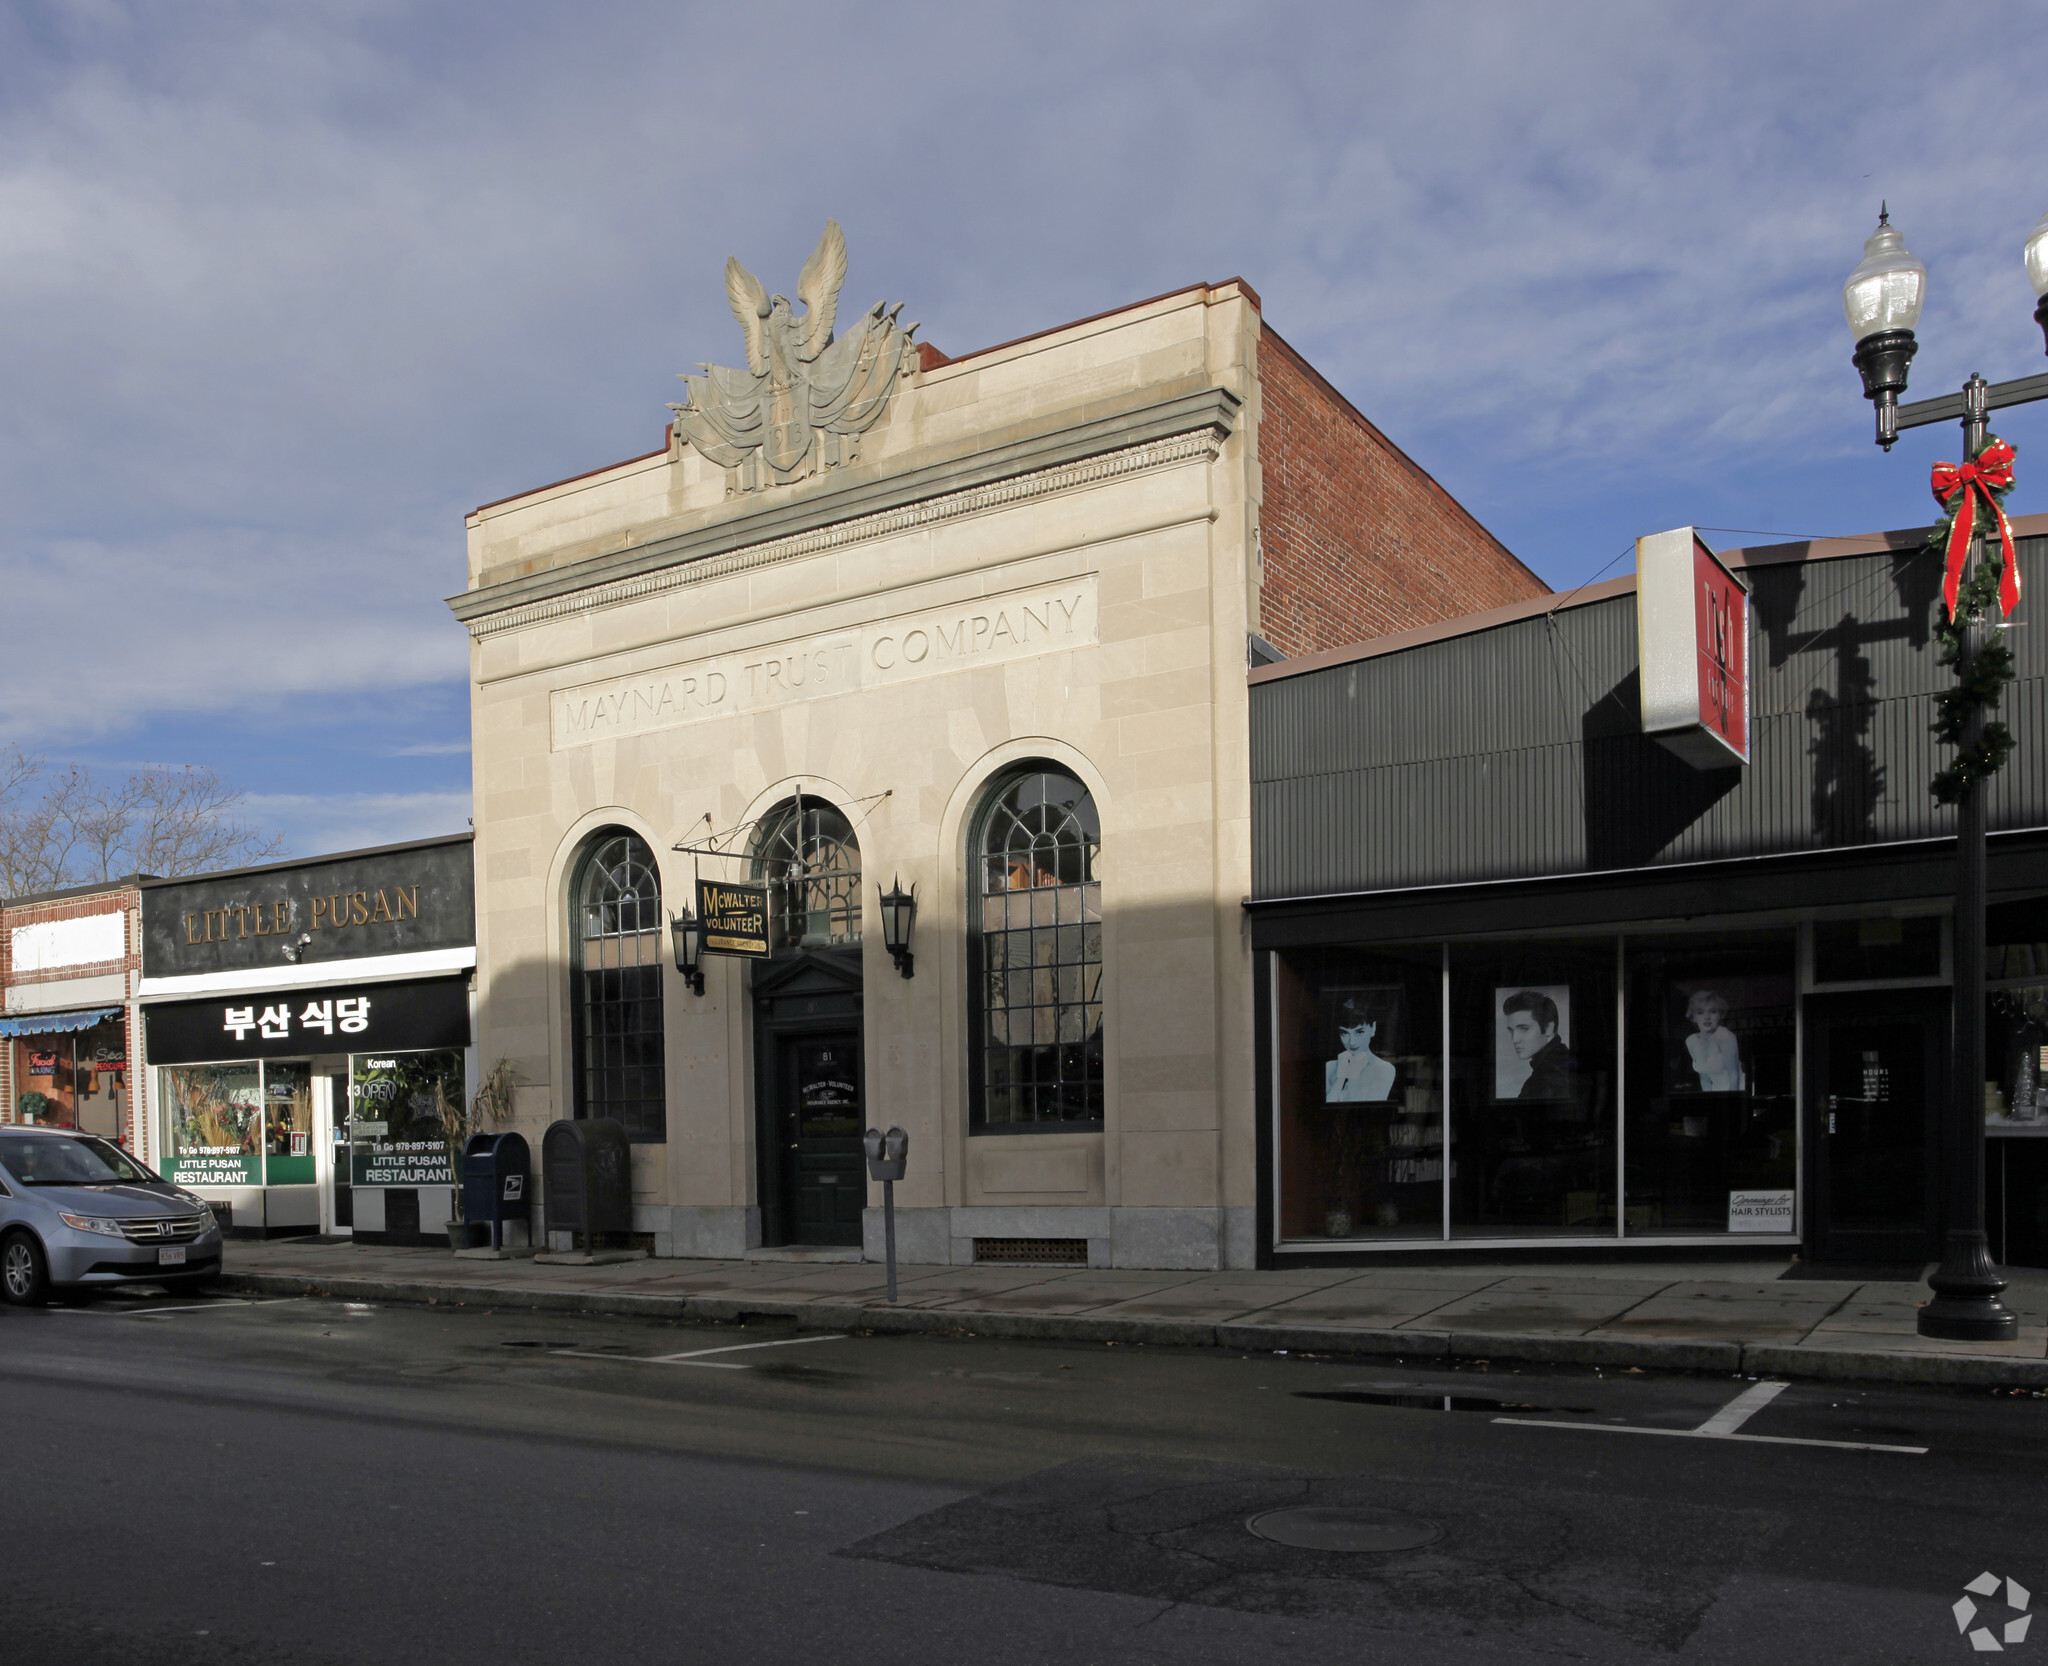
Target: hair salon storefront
[(1532, 976), (308, 1023)]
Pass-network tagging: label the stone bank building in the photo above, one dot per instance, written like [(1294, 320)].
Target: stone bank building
[(978, 626)]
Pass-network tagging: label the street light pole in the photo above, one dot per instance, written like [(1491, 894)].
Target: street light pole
[(1882, 300), (1967, 1285)]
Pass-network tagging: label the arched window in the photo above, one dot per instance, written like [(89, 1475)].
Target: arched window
[(1035, 956), (809, 858), (616, 931)]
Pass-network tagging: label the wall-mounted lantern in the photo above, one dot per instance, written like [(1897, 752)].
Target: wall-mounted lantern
[(688, 932), (899, 912)]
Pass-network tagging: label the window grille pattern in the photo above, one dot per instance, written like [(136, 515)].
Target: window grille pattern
[(810, 860), (617, 927), (1036, 953)]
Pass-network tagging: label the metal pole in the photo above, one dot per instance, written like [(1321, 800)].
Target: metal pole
[(889, 1232), (1967, 1285)]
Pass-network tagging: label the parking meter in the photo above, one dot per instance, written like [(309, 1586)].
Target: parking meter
[(887, 1156), (887, 1153)]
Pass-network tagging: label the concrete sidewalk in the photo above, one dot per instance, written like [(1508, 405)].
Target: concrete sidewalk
[(1727, 1316)]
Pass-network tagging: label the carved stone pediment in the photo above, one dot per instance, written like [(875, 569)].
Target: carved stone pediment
[(805, 397)]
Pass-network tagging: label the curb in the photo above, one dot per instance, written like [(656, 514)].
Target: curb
[(1753, 1359)]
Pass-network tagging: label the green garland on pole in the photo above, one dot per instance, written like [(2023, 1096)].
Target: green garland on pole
[(1981, 678)]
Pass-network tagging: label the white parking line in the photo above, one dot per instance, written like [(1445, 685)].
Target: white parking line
[(1741, 1409), (1723, 1425), (697, 1356)]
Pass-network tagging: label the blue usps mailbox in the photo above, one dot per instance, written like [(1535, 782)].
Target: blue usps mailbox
[(496, 1180)]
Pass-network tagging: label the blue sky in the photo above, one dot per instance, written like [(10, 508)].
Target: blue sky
[(287, 289)]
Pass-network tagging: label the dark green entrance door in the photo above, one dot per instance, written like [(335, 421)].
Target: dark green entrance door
[(1876, 1070), (823, 1176)]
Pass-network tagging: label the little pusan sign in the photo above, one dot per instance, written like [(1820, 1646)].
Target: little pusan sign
[(394, 901)]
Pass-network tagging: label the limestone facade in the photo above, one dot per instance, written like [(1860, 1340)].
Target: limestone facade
[(1048, 550)]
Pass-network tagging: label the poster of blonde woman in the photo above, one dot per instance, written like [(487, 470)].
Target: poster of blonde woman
[(1711, 1027), (1362, 1030)]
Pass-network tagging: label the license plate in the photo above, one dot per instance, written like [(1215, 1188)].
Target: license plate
[(170, 1257)]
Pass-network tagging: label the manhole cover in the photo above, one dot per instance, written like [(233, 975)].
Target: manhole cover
[(1357, 1527)]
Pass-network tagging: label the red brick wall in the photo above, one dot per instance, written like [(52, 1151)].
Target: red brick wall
[(1358, 541), (13, 1067)]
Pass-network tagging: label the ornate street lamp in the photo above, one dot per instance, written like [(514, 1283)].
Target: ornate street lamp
[(899, 913), (1882, 303), (687, 931), (2037, 272)]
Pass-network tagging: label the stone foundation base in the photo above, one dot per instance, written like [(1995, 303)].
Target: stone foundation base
[(1199, 1240)]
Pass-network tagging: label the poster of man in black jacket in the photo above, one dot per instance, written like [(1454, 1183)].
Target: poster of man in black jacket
[(1532, 1050)]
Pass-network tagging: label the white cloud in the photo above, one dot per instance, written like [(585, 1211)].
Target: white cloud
[(283, 291), (314, 824)]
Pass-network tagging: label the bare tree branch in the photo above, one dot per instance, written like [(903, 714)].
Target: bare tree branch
[(166, 820)]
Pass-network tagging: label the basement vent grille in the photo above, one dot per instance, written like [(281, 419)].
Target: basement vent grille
[(1065, 1252)]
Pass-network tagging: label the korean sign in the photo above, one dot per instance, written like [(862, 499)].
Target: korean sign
[(299, 1023)]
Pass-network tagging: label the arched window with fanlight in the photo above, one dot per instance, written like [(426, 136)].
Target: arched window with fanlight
[(616, 943), (1035, 956), (809, 859)]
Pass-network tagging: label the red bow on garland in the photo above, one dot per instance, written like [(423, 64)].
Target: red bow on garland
[(1991, 472)]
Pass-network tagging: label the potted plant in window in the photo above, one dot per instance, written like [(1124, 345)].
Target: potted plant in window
[(488, 1111)]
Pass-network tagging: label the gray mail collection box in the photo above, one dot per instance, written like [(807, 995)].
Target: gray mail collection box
[(587, 1169)]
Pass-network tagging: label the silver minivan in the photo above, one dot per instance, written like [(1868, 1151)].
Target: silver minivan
[(77, 1212)]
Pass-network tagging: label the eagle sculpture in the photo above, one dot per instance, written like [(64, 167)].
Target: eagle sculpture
[(805, 395)]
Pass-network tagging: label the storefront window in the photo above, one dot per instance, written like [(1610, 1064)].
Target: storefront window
[(214, 1124), (288, 1124), (1532, 1089), (397, 1106), (1360, 1107), (1711, 1105), (2016, 1057)]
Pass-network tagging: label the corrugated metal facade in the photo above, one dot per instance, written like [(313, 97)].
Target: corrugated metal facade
[(1515, 752)]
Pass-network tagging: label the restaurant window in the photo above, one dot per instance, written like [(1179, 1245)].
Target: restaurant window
[(401, 1106), (1035, 956), (1359, 1061), (1712, 1123), (616, 935), (213, 1119), (809, 859)]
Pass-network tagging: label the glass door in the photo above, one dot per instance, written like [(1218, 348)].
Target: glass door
[(1876, 1072)]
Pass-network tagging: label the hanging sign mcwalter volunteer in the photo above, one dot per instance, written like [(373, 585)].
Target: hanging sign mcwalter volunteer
[(735, 918)]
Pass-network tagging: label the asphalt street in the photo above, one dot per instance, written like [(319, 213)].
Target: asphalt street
[(315, 1481)]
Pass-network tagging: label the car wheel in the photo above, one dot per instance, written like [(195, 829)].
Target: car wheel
[(24, 1273)]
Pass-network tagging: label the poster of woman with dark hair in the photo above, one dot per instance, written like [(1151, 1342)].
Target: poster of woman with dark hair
[(1363, 1029)]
